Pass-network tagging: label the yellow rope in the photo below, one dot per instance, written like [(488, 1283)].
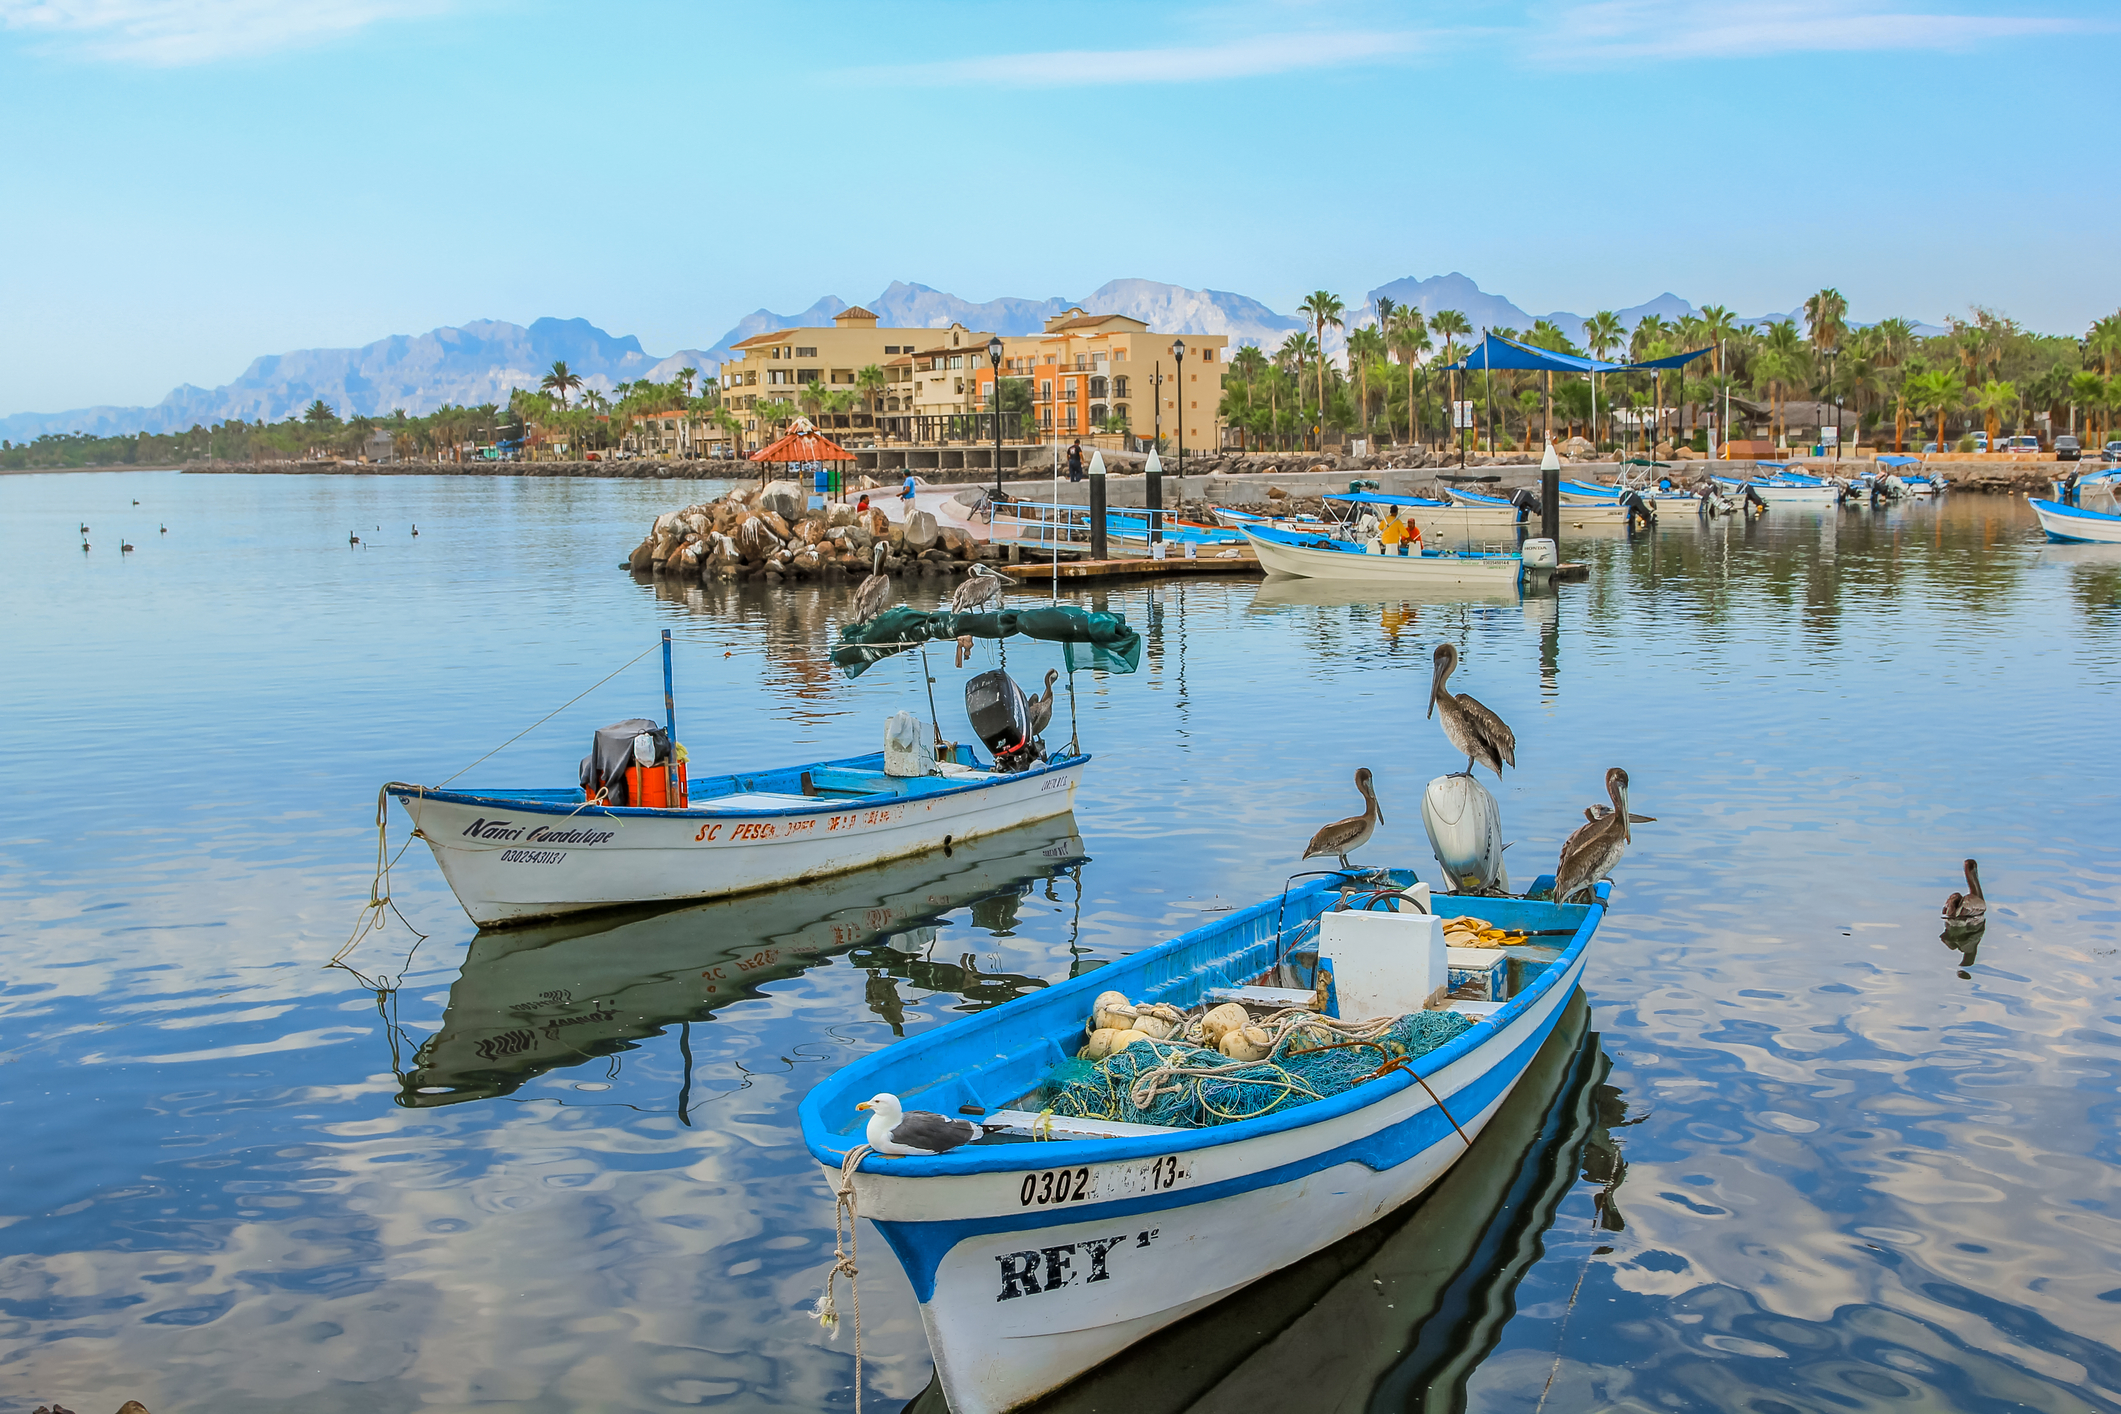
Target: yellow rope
[(845, 1218)]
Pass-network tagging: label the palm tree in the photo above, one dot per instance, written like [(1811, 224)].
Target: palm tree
[(561, 380), (1992, 397), (683, 379), (1322, 307), (870, 381), (1452, 325), (1407, 335), (2087, 394), (319, 414), (812, 396), (1717, 325), (1601, 333), (1365, 346), (1938, 391), (1826, 314)]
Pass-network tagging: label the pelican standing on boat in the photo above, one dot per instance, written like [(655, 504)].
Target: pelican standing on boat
[(869, 600), (895, 1131), (1968, 911), (981, 587), (1041, 706), (1352, 833), (1590, 853), (1467, 723)]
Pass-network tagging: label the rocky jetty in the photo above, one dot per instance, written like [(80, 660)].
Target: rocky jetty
[(771, 533)]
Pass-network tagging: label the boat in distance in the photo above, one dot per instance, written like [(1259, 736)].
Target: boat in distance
[(1051, 1245), (2074, 524), (513, 856), (1317, 556)]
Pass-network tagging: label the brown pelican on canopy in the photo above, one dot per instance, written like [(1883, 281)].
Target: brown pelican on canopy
[(1965, 912), (1352, 833), (869, 600), (1595, 848), (896, 1131), (1467, 723), (981, 588), (1041, 706)]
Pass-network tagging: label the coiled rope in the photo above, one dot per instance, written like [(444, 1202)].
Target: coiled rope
[(845, 1215)]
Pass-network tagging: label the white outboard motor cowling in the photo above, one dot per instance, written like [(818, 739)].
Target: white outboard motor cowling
[(1465, 833), (1541, 555)]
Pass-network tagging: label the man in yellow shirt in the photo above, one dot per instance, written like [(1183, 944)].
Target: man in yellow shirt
[(1394, 533)]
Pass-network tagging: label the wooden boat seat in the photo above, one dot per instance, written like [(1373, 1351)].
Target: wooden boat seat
[(1063, 1127), (1275, 998)]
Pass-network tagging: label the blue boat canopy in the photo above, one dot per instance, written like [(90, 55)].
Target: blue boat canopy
[(1379, 498), (1898, 461), (1496, 352), (1087, 639)]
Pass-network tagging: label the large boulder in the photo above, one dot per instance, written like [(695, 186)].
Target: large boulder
[(777, 524), (839, 513), (810, 530), (784, 498), (921, 531), (953, 540), (754, 541), (879, 523), (643, 556)]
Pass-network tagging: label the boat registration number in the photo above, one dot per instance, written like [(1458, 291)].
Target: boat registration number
[(1103, 1181)]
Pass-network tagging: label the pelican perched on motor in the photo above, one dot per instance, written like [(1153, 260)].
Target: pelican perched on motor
[(1041, 706), (981, 587), (1965, 912), (1352, 833), (1467, 723), (1590, 853), (869, 600)]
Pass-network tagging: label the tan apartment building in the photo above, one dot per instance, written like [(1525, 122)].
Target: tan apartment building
[(1087, 369), (777, 365)]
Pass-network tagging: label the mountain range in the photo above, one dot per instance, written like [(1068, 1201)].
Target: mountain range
[(481, 361)]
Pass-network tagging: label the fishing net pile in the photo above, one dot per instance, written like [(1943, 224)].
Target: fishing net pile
[(1246, 1070)]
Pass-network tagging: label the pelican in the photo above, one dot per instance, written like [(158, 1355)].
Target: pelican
[(1041, 706), (1590, 853), (1352, 833), (981, 587), (165, 530), (1467, 723), (869, 600), (1965, 912), (84, 527), (124, 548), (352, 539), (895, 1131)]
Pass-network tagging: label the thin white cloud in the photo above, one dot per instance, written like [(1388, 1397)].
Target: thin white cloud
[(1690, 29), (175, 33), (1238, 59)]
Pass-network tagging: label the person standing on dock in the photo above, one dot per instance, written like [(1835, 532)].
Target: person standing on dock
[(1075, 460)]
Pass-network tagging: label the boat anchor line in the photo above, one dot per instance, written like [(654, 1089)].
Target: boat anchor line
[(846, 1220)]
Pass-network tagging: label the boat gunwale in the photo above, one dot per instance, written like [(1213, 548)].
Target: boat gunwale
[(1273, 535), (2069, 512), (831, 1147), (406, 791)]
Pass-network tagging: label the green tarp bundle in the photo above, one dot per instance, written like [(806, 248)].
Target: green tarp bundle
[(1088, 640)]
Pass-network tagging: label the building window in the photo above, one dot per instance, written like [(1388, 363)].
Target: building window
[(1119, 355), (751, 378), (957, 360), (1120, 411), (1045, 393), (1045, 418), (1119, 386), (1207, 355), (1097, 413), (1069, 416), (777, 375), (1097, 387), (806, 353), (1068, 389)]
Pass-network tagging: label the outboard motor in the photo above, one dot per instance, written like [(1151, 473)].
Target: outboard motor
[(613, 749), (1465, 833), (1527, 502), (1637, 508), (1752, 501), (1001, 718)]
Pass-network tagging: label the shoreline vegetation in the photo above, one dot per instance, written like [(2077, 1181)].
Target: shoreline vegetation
[(1881, 384)]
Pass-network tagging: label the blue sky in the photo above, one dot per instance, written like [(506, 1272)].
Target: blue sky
[(195, 182)]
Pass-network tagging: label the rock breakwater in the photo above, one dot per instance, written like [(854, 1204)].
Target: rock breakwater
[(771, 533)]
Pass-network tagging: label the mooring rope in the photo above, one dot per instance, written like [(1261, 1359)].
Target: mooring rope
[(846, 1215), (553, 713)]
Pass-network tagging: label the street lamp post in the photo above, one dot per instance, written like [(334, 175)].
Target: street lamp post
[(994, 357), (1831, 354), (1178, 359)]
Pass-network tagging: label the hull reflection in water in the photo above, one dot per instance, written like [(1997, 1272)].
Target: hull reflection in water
[(535, 999), (1399, 1315)]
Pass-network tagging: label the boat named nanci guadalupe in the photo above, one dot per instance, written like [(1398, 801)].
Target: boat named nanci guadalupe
[(1055, 1239), (637, 830)]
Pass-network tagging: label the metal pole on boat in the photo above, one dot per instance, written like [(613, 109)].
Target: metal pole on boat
[(670, 728)]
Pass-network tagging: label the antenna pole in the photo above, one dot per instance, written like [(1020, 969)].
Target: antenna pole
[(670, 728)]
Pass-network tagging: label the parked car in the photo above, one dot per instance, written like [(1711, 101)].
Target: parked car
[(2111, 452), (1928, 447), (2068, 448), (1980, 441), (2020, 444)]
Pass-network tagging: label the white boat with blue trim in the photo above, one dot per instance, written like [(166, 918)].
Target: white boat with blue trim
[(1784, 487), (2076, 525), (1051, 1244)]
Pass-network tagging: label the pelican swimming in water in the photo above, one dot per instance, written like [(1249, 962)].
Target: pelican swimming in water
[(1352, 833), (1467, 723), (1968, 911), (1591, 852), (896, 1131), (869, 600), (982, 586), (1041, 706)]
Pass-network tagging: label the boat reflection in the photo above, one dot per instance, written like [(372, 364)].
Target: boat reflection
[(536, 999), (1281, 591), (1399, 1315)]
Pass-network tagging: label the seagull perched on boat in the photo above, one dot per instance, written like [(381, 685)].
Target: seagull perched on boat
[(1591, 852), (1467, 723), (1041, 706), (982, 586), (894, 1131), (869, 600), (1965, 912), (1352, 833)]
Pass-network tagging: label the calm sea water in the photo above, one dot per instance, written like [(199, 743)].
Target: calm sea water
[(1808, 1156)]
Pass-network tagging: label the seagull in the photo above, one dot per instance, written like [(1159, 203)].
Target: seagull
[(352, 539), (1467, 723), (1041, 706), (982, 586), (1355, 831), (165, 530), (869, 600), (136, 503), (1965, 912), (124, 548), (416, 532), (1591, 852), (893, 1131), (84, 527)]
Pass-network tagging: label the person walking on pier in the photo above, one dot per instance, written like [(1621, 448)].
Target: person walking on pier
[(1075, 460)]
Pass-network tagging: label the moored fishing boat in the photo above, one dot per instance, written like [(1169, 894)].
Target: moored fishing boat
[(1319, 556), (1053, 1243), (1783, 487), (2075, 524)]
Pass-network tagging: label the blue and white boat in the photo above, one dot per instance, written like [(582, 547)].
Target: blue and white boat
[(1593, 496), (1784, 487), (1052, 1244), (1315, 555), (2076, 525)]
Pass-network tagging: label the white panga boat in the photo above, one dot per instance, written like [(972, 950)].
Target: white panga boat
[(1035, 1261), (1783, 487), (2074, 523), (636, 830), (1318, 556)]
